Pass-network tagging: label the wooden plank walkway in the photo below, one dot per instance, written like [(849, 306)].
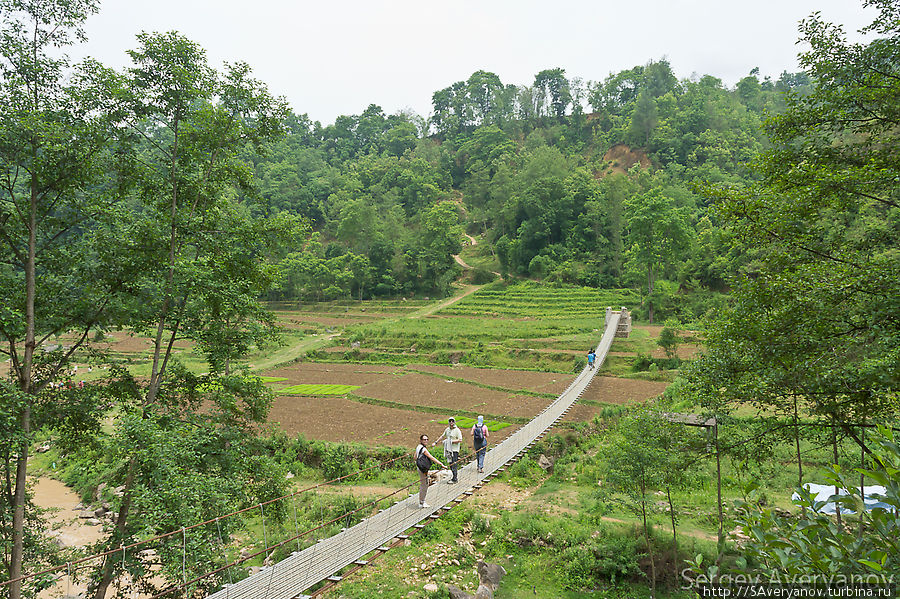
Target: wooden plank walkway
[(290, 577)]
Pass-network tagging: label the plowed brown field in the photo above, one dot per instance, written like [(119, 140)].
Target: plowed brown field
[(341, 420), (544, 382)]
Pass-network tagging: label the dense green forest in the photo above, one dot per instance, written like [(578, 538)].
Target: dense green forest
[(594, 184)]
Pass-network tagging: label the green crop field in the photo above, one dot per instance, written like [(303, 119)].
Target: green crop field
[(538, 300), (317, 389)]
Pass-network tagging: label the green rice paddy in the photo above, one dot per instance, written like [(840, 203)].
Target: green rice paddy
[(317, 389)]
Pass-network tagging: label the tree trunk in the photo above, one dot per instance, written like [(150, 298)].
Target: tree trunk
[(837, 489), (674, 533), (25, 384), (650, 293), (649, 543), (799, 460), (721, 536), (18, 548), (862, 478), (119, 534)]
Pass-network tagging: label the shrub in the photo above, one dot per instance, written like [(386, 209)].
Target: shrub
[(338, 462)]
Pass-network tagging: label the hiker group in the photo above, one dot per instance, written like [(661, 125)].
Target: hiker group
[(452, 439)]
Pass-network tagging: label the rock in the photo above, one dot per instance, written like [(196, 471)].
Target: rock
[(490, 575), (100, 512), (85, 514), (119, 491), (289, 475), (92, 522), (99, 492), (545, 462), (44, 448), (354, 345), (430, 588), (484, 592), (456, 593)]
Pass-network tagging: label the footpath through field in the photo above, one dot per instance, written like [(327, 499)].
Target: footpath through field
[(292, 576)]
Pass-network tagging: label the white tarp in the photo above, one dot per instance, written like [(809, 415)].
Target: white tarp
[(871, 497)]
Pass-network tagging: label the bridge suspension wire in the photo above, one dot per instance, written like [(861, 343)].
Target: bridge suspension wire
[(605, 342), (166, 535), (250, 556), (307, 568)]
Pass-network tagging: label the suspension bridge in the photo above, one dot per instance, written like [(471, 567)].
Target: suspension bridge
[(293, 576)]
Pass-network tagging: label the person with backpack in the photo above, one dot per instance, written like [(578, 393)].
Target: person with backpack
[(423, 463), (591, 358), (479, 441)]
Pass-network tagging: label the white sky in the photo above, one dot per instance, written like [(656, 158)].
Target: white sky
[(333, 57)]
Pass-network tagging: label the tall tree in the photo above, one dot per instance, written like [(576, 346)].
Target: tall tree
[(52, 141), (552, 89), (195, 253), (657, 233), (817, 313)]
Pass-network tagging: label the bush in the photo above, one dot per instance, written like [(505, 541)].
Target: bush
[(482, 276), (338, 462)]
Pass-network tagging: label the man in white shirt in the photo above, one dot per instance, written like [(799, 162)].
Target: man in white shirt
[(454, 436)]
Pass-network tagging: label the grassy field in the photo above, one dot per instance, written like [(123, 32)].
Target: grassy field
[(356, 378)]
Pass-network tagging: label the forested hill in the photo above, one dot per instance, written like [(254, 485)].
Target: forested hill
[(597, 184)]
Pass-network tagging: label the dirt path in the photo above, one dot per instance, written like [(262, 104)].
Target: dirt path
[(291, 352), (472, 240), (429, 310), (461, 262)]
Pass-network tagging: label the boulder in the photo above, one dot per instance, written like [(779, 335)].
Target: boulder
[(430, 588), (483, 592), (490, 575), (545, 462), (456, 593)]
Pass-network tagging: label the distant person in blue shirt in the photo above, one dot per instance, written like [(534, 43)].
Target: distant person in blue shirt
[(591, 358)]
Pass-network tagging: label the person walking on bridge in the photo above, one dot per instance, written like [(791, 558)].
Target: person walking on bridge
[(423, 464), (480, 441), (454, 435)]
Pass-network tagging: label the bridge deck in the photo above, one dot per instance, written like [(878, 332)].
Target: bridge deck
[(303, 569)]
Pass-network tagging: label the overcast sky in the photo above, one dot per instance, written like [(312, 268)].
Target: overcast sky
[(333, 57)]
